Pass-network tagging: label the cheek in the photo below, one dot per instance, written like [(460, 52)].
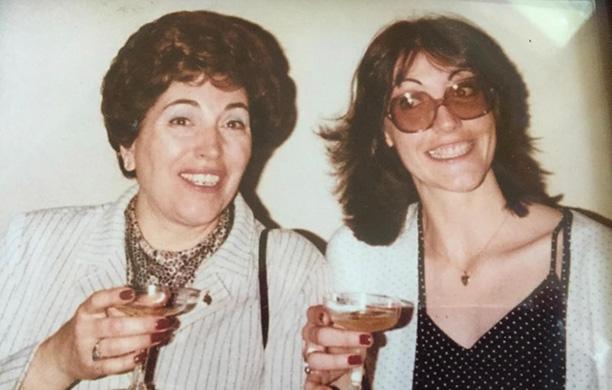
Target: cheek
[(238, 153), (408, 151), (166, 149)]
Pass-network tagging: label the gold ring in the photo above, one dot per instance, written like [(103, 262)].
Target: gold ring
[(309, 350), (95, 352)]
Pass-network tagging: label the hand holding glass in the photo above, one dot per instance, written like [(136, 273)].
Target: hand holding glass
[(157, 301), (365, 313)]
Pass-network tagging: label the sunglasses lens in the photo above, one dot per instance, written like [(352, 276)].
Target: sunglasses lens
[(467, 99), (415, 111), (412, 111)]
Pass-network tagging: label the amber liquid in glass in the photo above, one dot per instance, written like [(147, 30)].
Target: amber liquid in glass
[(373, 319)]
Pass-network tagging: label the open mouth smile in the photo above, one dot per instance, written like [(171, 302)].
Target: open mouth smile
[(201, 179), (450, 151)]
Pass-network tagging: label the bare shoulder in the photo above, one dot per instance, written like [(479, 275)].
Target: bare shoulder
[(535, 228), (543, 219)]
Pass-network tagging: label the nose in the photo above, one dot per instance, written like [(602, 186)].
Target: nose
[(445, 120), (208, 143)]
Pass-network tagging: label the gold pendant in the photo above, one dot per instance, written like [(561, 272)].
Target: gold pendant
[(465, 278)]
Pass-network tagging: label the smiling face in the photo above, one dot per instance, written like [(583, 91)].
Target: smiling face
[(454, 154), (192, 149)]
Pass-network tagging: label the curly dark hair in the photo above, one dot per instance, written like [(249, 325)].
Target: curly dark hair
[(192, 46), (374, 187)]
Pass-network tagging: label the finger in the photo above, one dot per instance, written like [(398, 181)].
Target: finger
[(118, 346), (119, 364), (318, 315), (333, 337), (133, 326), (309, 348), (99, 301), (328, 362), (114, 312), (323, 378)]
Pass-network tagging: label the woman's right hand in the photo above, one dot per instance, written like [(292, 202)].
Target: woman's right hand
[(119, 340), (330, 352)]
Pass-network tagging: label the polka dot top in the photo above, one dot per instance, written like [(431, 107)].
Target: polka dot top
[(524, 350)]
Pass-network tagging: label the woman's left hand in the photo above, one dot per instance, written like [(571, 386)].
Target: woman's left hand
[(329, 353)]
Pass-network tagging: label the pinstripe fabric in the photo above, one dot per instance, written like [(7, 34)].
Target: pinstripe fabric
[(51, 260)]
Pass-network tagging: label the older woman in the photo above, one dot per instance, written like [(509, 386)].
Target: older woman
[(186, 102), (446, 206)]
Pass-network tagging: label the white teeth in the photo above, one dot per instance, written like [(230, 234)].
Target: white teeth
[(451, 151), (201, 179)]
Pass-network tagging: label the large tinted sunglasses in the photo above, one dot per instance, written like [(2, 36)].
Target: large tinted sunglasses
[(416, 111)]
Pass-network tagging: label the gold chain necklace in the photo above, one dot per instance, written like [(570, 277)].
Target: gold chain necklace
[(465, 276)]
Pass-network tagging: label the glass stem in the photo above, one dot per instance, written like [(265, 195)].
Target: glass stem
[(139, 374), (356, 377)]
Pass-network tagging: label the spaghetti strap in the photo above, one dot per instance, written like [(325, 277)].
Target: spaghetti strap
[(567, 237), (554, 239), (421, 256), (564, 225)]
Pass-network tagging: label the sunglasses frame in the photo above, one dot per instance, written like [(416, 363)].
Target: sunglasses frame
[(488, 92)]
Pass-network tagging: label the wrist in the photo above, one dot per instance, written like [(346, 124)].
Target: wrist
[(45, 370)]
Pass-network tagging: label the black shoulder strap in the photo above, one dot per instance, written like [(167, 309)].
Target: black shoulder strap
[(263, 286)]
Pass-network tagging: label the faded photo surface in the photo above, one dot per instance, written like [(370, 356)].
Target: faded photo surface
[(54, 152), (431, 162)]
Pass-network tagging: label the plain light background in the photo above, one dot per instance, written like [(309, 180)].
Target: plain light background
[(53, 147)]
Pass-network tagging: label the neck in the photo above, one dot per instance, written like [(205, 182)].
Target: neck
[(462, 224), (164, 234)]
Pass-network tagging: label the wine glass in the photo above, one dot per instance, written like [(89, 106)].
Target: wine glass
[(363, 312), (157, 301)]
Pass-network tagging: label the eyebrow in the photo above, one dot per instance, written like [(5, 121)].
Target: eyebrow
[(459, 70), (194, 103), (236, 105), (450, 76)]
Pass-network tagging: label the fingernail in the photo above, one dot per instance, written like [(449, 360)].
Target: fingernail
[(155, 337), (140, 358), (354, 359), (126, 295), (165, 323), (365, 339)]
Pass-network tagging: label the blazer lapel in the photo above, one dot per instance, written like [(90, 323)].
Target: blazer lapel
[(227, 278), (103, 254)]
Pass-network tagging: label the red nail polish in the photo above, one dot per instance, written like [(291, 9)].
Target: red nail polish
[(140, 358), (365, 339), (164, 323), (126, 295), (354, 360), (163, 336), (155, 337)]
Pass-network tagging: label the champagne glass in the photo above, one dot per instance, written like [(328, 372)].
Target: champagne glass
[(363, 312), (157, 301)]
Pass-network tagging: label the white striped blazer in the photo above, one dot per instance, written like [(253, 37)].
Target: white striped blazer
[(51, 260)]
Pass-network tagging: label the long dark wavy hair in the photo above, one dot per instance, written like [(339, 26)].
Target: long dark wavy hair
[(374, 187)]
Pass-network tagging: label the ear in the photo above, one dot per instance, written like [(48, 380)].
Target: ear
[(127, 155), (388, 139)]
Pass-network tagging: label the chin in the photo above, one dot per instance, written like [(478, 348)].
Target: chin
[(200, 214), (462, 183)]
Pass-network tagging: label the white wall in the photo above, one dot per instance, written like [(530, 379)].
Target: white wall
[(53, 148)]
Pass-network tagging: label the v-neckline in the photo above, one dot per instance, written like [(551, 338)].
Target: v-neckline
[(422, 296), (497, 324)]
